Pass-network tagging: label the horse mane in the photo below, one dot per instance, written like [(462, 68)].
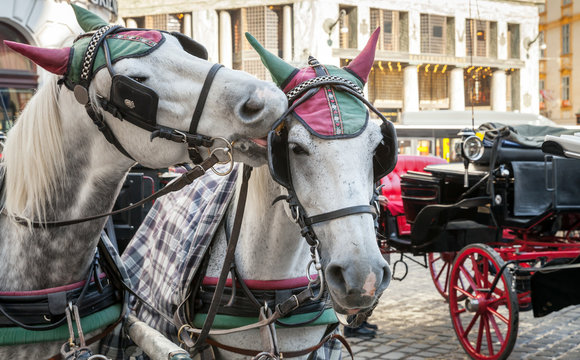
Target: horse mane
[(33, 156)]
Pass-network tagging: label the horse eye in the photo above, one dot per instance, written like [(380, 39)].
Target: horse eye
[(139, 79), (298, 150)]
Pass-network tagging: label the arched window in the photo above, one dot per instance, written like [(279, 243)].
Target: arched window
[(18, 78)]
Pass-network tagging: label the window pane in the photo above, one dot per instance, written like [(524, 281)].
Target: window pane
[(566, 39)]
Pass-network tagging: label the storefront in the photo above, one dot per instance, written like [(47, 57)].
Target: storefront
[(49, 23)]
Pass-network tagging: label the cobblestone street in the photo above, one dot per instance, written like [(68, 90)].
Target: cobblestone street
[(414, 323)]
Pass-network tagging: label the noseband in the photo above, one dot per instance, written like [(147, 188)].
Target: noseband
[(136, 103)]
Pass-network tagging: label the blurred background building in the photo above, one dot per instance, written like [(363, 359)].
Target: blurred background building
[(429, 56), (47, 23), (559, 83)]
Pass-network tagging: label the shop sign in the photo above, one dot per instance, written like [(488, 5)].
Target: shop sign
[(110, 5)]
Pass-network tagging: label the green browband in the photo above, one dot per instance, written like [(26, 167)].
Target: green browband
[(90, 323), (230, 322)]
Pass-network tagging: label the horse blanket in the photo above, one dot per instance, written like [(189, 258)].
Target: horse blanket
[(167, 250)]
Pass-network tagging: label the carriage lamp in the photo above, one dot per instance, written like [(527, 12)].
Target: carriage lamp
[(473, 148)]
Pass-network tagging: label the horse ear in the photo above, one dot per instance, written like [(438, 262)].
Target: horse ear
[(53, 60), (362, 64), (88, 21), (279, 68)]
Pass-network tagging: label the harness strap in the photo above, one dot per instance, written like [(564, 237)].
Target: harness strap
[(285, 354), (106, 130), (203, 97), (340, 213), (227, 261), (182, 181), (95, 338)]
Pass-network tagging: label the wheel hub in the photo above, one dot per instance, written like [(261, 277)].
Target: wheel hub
[(477, 304)]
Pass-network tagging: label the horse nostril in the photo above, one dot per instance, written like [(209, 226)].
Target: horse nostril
[(253, 106), (386, 279), (335, 277)]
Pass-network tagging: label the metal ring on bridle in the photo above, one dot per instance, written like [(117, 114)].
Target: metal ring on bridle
[(229, 149), (179, 333)]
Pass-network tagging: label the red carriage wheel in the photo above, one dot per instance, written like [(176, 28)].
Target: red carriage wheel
[(485, 321), (440, 267)]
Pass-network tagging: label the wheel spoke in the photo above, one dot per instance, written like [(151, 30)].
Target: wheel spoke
[(479, 335), (488, 334), (448, 267), (500, 316), (496, 329), (440, 272), (468, 277), (471, 323), (495, 303), (435, 259), (464, 292), (476, 273), (460, 311)]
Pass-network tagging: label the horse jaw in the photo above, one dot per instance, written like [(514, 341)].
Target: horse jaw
[(355, 271)]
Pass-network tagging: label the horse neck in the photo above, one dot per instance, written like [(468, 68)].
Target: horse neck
[(93, 172), (270, 245)]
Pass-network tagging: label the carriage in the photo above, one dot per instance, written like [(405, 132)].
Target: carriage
[(498, 232)]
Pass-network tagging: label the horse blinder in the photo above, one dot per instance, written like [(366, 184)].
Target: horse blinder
[(278, 157), (384, 160), (134, 101), (191, 46), (385, 157)]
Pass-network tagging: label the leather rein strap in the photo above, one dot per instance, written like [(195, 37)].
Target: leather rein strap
[(229, 258), (182, 181)]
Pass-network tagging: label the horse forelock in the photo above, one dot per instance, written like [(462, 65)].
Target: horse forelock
[(34, 157)]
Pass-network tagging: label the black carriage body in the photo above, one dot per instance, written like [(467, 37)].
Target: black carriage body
[(532, 197)]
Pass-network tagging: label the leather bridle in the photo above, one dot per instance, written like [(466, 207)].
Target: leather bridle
[(122, 107)]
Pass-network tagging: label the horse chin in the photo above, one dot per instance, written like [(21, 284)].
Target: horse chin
[(353, 306), (249, 152)]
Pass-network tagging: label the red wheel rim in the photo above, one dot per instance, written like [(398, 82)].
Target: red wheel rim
[(485, 323), (440, 268)]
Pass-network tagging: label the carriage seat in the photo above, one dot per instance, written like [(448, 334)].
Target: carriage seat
[(392, 185), (392, 182)]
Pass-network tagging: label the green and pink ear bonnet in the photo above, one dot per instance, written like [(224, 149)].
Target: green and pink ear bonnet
[(68, 61), (329, 113)]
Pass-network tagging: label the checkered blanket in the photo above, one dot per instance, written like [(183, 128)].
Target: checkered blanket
[(162, 258)]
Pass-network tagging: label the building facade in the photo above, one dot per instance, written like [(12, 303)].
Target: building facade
[(559, 83), (47, 23), (429, 56)]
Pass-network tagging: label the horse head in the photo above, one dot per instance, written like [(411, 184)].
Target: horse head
[(164, 88), (329, 157)]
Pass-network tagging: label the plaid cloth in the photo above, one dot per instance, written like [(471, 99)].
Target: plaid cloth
[(163, 256)]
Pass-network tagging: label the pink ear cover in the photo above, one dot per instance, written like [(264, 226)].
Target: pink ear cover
[(362, 64), (53, 60)]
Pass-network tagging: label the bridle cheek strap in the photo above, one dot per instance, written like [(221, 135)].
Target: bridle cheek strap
[(360, 209)]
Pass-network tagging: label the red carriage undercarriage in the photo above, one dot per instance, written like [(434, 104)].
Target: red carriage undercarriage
[(500, 234)]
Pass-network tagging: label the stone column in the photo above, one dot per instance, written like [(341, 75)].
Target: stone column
[(456, 90), (131, 23), (410, 89), (226, 56), (287, 33), (498, 91), (187, 24)]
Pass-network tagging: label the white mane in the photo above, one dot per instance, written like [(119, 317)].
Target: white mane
[(33, 156)]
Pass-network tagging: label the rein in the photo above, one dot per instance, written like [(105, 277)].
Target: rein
[(179, 183)]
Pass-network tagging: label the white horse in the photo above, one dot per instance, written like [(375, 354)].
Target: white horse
[(58, 166), (330, 175)]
